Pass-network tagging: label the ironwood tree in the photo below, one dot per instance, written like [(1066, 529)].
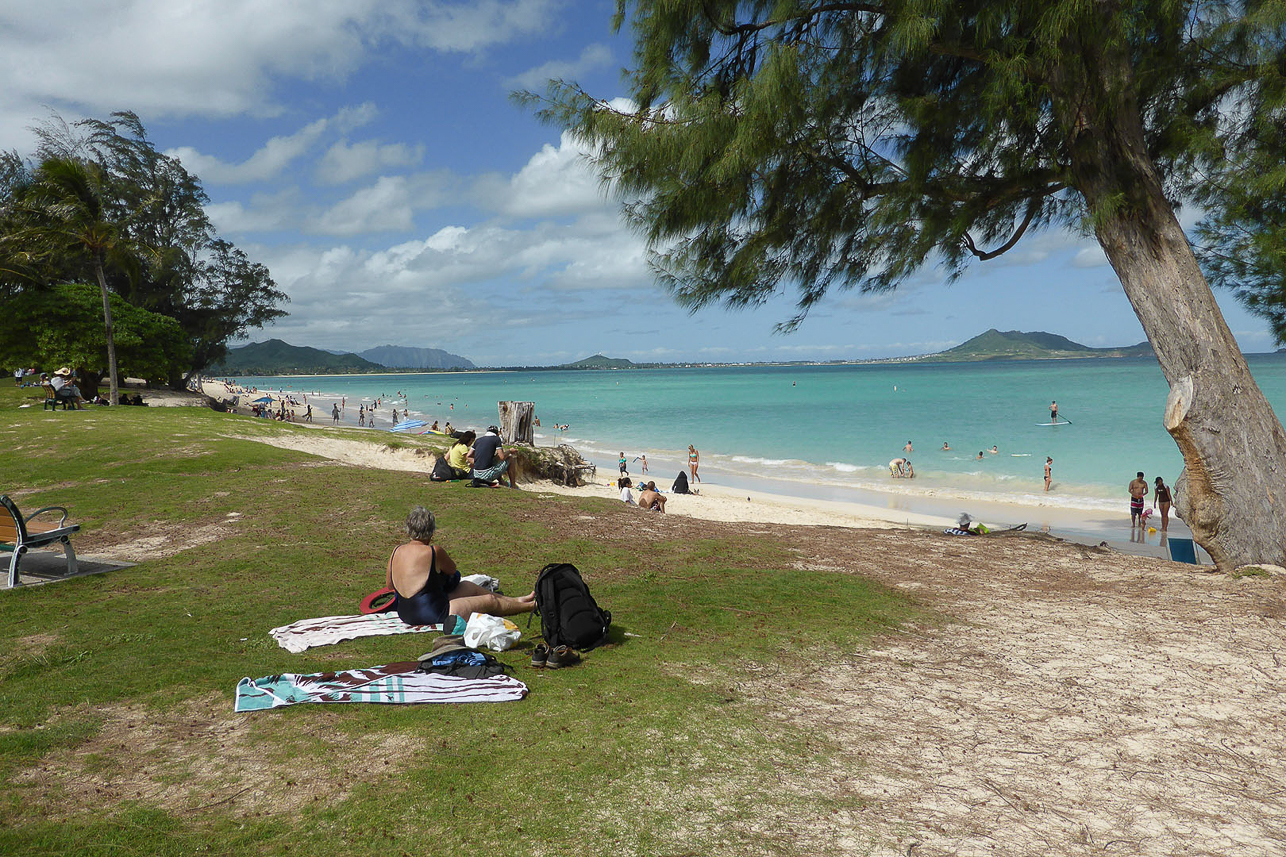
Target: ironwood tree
[(810, 145), (176, 264)]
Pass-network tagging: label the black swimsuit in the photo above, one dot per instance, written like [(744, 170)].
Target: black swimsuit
[(428, 606)]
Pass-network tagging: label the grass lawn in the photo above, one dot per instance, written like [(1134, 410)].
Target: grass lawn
[(117, 735)]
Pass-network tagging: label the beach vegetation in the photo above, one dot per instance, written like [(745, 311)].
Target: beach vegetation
[(138, 218), (63, 325), (811, 147), (117, 733)]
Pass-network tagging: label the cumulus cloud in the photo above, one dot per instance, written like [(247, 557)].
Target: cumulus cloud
[(344, 161), (390, 204), (220, 58), (594, 57), (276, 154), (556, 181)]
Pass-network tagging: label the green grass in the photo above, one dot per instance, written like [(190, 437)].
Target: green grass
[(656, 744)]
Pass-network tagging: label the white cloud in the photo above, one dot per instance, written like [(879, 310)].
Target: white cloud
[(556, 181), (594, 57), (219, 57), (275, 155), (344, 162), (389, 204), (1089, 257)]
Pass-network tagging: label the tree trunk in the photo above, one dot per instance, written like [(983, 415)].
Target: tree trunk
[(1234, 450), (515, 421), (113, 382)]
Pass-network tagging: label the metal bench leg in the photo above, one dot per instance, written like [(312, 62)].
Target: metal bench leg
[(71, 556), (13, 565)]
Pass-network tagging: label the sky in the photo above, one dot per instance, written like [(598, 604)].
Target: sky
[(368, 153)]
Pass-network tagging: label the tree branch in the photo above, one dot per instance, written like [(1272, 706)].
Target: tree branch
[(1032, 207)]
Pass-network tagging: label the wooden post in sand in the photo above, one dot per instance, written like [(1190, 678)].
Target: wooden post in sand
[(515, 421)]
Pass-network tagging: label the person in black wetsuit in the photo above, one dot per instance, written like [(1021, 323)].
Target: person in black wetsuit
[(428, 584)]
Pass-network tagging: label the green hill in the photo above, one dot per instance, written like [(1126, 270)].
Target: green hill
[(1033, 345), (598, 361), (275, 357)]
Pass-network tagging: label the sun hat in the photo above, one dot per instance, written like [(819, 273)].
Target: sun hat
[(63, 371)]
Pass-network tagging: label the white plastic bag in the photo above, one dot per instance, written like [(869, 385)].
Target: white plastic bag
[(491, 631)]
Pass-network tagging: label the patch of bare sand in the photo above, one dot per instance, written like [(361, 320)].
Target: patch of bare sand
[(163, 541), (1084, 703), (357, 453), (197, 758)]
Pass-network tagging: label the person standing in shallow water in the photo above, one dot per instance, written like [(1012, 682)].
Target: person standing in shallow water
[(1161, 498), (1049, 472), (1138, 489)]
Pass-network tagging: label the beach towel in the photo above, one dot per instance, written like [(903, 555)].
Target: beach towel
[(328, 630), (395, 684)]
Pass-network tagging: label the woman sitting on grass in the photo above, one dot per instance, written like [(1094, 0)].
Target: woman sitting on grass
[(457, 456), (428, 585)]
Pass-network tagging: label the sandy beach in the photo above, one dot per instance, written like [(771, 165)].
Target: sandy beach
[(718, 502)]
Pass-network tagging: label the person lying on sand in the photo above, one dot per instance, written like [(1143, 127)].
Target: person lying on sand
[(428, 584)]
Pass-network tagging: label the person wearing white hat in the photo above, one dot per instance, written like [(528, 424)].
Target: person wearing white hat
[(64, 388)]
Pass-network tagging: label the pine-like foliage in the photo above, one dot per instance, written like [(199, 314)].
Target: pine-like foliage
[(783, 144)]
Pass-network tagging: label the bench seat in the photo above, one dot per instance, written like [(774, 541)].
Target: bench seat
[(18, 534)]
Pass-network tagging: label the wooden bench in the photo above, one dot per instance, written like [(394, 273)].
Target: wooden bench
[(19, 534)]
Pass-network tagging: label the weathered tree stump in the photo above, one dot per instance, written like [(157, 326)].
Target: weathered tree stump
[(516, 422)]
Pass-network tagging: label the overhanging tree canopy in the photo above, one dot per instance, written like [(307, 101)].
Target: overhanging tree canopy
[(828, 144)]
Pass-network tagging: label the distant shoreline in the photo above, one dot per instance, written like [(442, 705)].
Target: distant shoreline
[(765, 500), (883, 361)]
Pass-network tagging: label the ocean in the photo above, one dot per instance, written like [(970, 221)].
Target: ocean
[(831, 430)]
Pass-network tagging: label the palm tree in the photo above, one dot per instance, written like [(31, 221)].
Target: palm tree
[(65, 213)]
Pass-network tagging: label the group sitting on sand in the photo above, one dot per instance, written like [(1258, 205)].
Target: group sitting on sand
[(650, 497)]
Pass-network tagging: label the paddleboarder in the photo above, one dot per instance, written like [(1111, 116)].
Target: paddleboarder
[(1053, 412)]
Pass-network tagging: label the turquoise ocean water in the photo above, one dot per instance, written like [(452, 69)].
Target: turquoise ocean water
[(832, 429)]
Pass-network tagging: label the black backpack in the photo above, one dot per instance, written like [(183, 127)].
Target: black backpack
[(569, 616), (680, 483), (442, 471)]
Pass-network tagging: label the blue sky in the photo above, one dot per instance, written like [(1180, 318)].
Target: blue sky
[(367, 152)]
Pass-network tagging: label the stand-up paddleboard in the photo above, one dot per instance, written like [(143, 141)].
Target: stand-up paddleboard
[(1059, 423)]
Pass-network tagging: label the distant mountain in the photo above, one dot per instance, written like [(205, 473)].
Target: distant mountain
[(399, 357), (1034, 345), (598, 361), (275, 357)]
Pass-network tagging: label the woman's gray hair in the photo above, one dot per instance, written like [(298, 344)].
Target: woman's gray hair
[(420, 524)]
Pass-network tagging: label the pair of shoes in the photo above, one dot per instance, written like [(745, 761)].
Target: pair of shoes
[(539, 656), (475, 483), (561, 656)]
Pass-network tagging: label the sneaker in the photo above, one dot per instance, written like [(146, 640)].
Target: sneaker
[(539, 655), (561, 656)]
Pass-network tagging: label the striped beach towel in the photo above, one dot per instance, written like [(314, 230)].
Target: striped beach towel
[(399, 683), (327, 630)]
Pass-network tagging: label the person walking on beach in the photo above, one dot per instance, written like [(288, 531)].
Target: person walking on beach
[(621, 464), (694, 461), (334, 413), (1138, 490), (1161, 498), (308, 414), (1049, 471), (642, 459)]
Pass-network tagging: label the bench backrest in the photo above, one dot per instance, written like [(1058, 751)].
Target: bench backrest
[(12, 530), (49, 392)]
